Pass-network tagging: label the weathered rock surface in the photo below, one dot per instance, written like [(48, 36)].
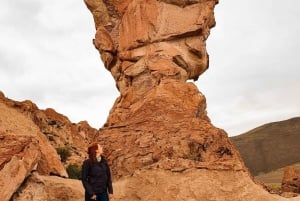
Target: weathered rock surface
[(191, 185), (19, 156), (57, 128), (170, 124), (23, 149), (50, 188), (28, 138), (144, 42), (15, 126), (159, 140), (291, 180), (151, 48)]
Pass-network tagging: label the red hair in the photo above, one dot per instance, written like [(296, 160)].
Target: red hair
[(92, 152)]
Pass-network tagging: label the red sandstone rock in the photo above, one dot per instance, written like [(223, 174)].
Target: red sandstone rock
[(50, 188), (291, 180), (29, 137), (155, 46), (19, 156), (57, 128), (158, 138), (142, 42), (192, 184), (23, 149)]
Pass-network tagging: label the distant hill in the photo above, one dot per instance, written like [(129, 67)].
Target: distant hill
[(271, 146)]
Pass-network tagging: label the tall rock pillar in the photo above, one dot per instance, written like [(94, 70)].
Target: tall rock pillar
[(158, 138), (152, 48)]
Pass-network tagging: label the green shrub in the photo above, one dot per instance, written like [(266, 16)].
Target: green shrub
[(194, 151), (274, 187), (64, 153), (74, 171)]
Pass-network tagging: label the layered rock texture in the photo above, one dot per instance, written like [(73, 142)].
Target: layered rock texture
[(56, 128), (46, 188), (28, 138), (31, 169), (146, 43), (291, 180), (159, 140), (152, 48)]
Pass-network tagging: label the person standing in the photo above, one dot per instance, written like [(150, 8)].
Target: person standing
[(96, 177)]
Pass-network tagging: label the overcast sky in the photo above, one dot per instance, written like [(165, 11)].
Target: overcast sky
[(47, 56)]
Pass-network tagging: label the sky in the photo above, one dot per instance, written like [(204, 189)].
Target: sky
[(47, 56)]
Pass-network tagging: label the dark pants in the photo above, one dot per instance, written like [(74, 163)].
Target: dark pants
[(100, 197)]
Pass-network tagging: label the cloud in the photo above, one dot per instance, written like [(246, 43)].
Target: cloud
[(47, 56), (254, 73), (15, 13)]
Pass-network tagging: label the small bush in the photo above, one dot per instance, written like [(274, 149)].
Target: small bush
[(274, 187), (194, 151), (64, 153), (74, 171)]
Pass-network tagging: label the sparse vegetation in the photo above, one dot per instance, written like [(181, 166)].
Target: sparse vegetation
[(64, 153), (194, 151), (274, 187), (74, 171)]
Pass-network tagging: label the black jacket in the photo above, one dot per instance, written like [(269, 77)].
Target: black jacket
[(96, 177)]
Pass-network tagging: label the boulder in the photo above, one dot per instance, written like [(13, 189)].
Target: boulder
[(23, 150), (57, 128), (50, 188), (19, 156), (291, 180), (190, 185), (158, 139)]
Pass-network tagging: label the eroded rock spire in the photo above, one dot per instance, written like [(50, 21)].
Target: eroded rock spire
[(152, 48), (145, 42)]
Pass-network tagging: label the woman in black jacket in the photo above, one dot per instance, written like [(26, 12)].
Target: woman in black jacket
[(96, 178)]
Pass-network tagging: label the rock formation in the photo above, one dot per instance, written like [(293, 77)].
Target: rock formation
[(158, 138), (47, 188), (152, 48), (146, 43), (291, 180), (28, 138), (23, 149), (57, 128)]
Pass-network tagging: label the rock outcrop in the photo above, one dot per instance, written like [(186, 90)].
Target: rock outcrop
[(144, 43), (23, 149), (56, 128), (159, 140), (152, 48), (53, 188), (191, 185), (28, 138), (291, 180), (171, 130)]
